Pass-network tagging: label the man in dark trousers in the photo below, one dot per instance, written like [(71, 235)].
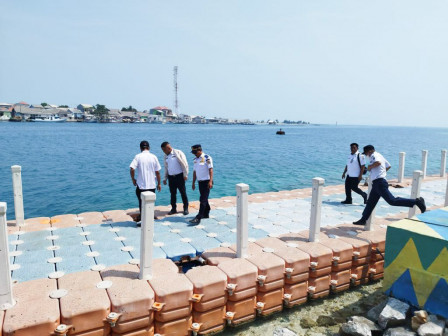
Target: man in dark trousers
[(378, 166), (354, 169), (148, 170), (176, 171), (203, 172)]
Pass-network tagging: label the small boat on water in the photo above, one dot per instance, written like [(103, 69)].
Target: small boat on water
[(280, 132), (47, 119)]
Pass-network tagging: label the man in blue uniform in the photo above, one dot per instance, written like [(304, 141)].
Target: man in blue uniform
[(378, 166), (203, 172)]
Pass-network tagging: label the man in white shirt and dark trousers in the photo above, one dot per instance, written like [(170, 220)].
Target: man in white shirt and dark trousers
[(203, 172), (148, 169), (378, 166), (354, 169), (176, 171)]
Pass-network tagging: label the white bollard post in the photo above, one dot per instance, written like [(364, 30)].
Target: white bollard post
[(316, 206), (415, 191), (443, 164), (6, 298), (147, 235), (424, 162), (446, 194), (242, 226), (369, 223), (18, 195), (401, 167)]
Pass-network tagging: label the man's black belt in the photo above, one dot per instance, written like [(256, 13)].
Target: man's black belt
[(176, 174)]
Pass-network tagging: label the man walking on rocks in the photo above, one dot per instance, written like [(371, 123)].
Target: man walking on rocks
[(148, 169), (378, 166), (176, 171), (203, 172), (355, 169)]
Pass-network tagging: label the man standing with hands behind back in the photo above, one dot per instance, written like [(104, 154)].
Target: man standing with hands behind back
[(176, 171), (203, 172), (148, 169), (354, 169)]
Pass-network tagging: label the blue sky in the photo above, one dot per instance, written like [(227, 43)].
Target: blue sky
[(354, 62)]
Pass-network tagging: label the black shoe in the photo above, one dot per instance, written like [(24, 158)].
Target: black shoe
[(186, 212), (420, 202), (346, 202), (360, 222), (139, 224), (206, 216), (365, 199), (195, 221), (172, 212)]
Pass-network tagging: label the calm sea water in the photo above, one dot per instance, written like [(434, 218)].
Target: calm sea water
[(77, 167)]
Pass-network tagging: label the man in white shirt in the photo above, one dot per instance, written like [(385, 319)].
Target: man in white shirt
[(378, 167), (148, 169), (176, 171), (203, 172), (355, 169)]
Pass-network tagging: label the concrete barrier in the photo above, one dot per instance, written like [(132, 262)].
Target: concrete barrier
[(6, 297), (401, 167), (415, 191), (18, 195)]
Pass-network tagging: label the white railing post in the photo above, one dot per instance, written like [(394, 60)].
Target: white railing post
[(446, 194), (316, 206), (242, 226), (18, 195), (415, 191), (369, 223), (443, 164), (147, 236), (424, 162), (401, 167), (6, 297)]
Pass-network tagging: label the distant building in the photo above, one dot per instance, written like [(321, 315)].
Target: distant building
[(86, 108), (161, 111), (25, 113), (198, 120), (5, 111)]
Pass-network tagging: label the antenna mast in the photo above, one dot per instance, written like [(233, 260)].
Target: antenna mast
[(176, 103)]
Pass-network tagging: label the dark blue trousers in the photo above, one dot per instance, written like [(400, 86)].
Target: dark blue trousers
[(204, 207), (380, 188)]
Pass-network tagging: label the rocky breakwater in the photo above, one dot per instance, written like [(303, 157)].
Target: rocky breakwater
[(395, 318)]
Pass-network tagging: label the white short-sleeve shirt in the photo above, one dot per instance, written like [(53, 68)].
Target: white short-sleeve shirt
[(146, 164), (202, 165), (353, 166), (174, 167), (379, 171)]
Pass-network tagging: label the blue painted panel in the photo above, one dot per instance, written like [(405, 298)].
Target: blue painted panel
[(96, 228), (174, 248), (36, 235), (115, 258), (77, 264), (157, 253), (32, 257), (68, 251), (35, 245)]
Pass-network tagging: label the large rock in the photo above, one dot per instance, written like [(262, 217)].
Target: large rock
[(325, 321), (355, 329), (400, 331), (374, 328), (307, 322), (393, 314), (283, 332), (374, 313), (430, 329)]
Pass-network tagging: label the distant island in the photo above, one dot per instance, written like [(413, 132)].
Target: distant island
[(99, 113)]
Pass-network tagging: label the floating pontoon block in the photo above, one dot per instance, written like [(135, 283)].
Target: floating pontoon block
[(297, 293), (117, 216), (173, 296), (35, 313), (85, 307), (89, 218), (241, 276), (340, 280), (241, 311), (209, 287), (361, 247), (210, 321), (175, 248), (36, 224), (148, 331), (179, 327), (62, 221), (271, 301), (416, 261), (217, 255), (130, 297)]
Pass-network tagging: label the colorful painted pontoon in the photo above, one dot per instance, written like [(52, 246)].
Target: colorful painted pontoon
[(416, 261)]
